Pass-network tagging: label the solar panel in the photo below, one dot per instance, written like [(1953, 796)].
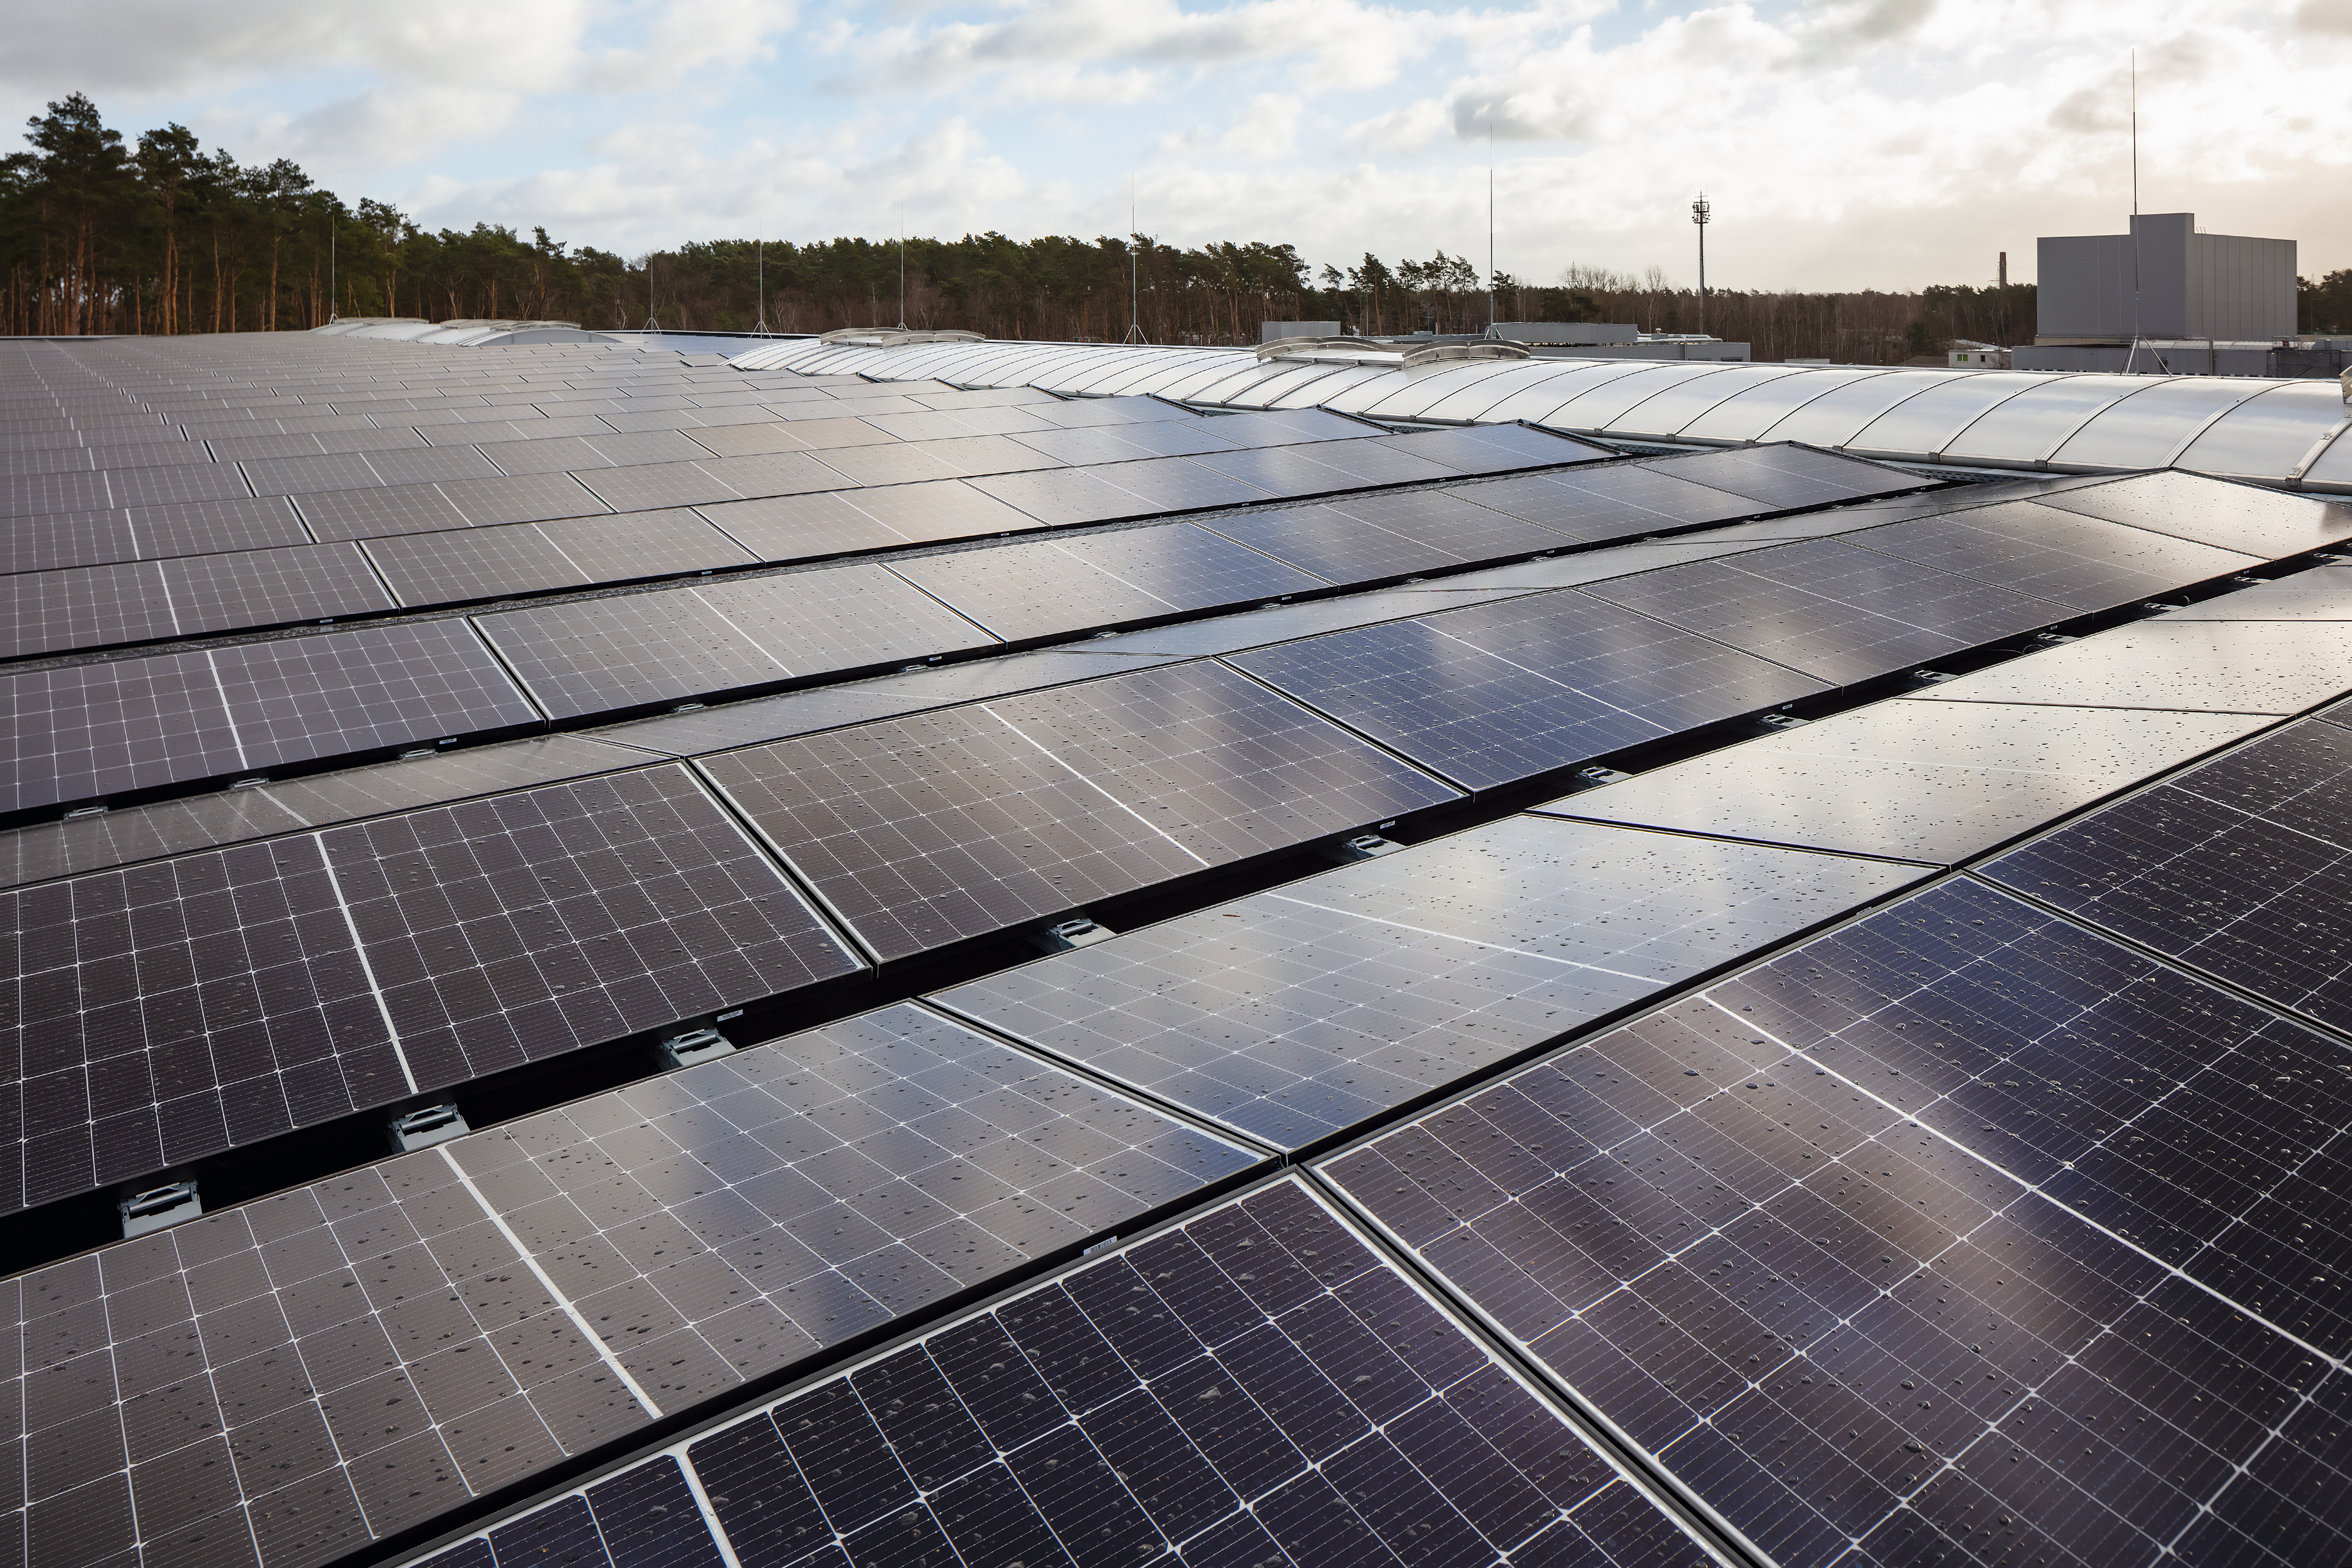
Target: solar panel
[(83, 606), (2321, 594), (484, 1309), (519, 497), (368, 514), (1044, 587), (523, 926), (1295, 1013), (270, 587), (2236, 866), (920, 832), (1289, 427), (1608, 504), (925, 831), (796, 528), (647, 486), (2083, 563), (179, 1009), (87, 731), (626, 650), (986, 454), (1492, 694), (1494, 448), (1831, 610), (1255, 1387), (1787, 476), (885, 463), (298, 699), (1218, 762), (1058, 495), (1175, 484), (1340, 547), (180, 483), (764, 435), (199, 528), (841, 617), (1126, 442), (2251, 519), (1936, 782), (522, 558), (554, 454), (1323, 467), (1813, 1241), (44, 850), (70, 538), (2226, 667)]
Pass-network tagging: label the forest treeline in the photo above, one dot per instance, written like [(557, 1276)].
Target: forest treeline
[(100, 234)]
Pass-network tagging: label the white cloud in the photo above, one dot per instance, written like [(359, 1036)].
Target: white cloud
[(1845, 143)]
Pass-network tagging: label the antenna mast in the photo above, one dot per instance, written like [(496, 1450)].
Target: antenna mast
[(332, 316), (1134, 272), (2135, 131), (902, 267), (1490, 222), (1700, 213), (760, 264)]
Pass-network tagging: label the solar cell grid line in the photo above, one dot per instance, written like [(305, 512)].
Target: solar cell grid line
[(83, 606), (174, 1010), (1071, 1424), (922, 831), (1867, 622), (438, 1325), (2085, 563), (1295, 1014), (1604, 503), (2252, 519), (1937, 783), (2236, 868), (45, 850), (1801, 1239)]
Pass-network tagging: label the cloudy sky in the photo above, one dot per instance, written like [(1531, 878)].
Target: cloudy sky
[(1844, 143)]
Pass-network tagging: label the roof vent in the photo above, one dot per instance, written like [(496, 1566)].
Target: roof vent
[(895, 337), (1371, 351)]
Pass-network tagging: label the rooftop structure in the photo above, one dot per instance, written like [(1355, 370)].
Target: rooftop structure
[(2165, 279), (1648, 1002)]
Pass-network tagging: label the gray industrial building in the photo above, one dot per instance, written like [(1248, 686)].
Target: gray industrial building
[(2162, 292)]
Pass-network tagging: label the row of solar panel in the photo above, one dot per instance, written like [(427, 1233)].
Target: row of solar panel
[(90, 731), (335, 1321), (915, 833), (441, 562)]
